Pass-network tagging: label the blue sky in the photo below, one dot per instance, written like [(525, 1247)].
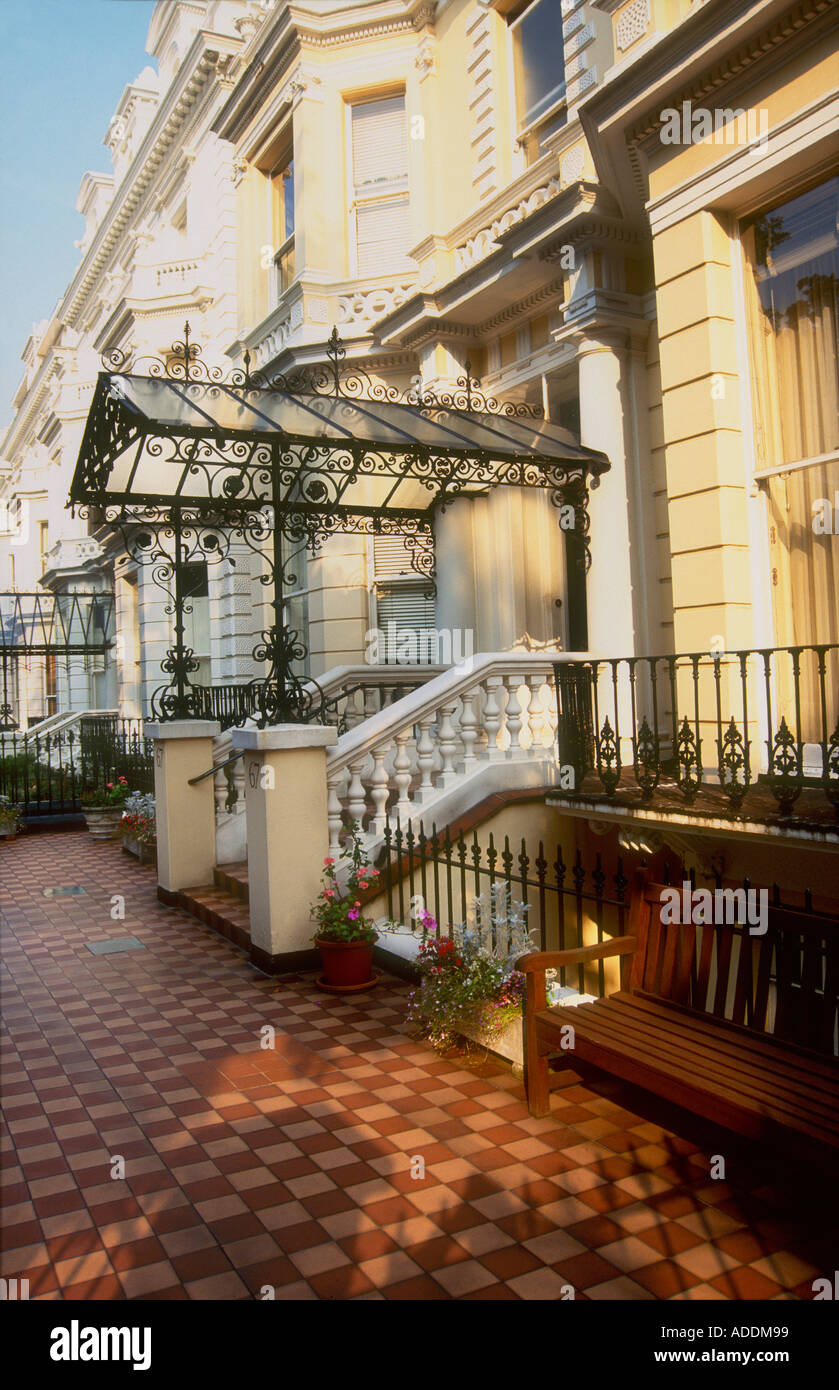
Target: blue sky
[(65, 64)]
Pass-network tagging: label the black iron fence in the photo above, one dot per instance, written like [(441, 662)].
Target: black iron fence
[(232, 705), (707, 728), (568, 902), (574, 903), (48, 774)]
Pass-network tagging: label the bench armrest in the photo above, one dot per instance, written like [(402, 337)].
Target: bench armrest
[(538, 961)]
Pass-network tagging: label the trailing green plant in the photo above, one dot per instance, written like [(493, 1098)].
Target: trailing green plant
[(468, 981), (338, 906)]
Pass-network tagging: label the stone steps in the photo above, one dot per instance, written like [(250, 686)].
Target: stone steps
[(223, 904)]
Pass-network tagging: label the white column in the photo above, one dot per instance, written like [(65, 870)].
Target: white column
[(604, 416)]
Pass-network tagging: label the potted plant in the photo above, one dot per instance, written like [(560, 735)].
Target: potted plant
[(9, 819), (469, 987), (139, 827), (103, 808), (344, 937)]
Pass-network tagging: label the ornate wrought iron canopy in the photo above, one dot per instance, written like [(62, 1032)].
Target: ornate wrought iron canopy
[(183, 452)]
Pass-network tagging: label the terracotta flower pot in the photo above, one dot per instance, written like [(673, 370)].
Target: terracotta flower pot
[(103, 822), (346, 964)]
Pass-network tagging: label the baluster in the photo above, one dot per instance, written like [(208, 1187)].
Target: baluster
[(334, 809), (371, 701), (239, 787), (447, 745), (493, 717), (220, 790), (402, 776), (356, 794), (468, 730), (379, 790), (515, 708), (425, 756), (537, 713)]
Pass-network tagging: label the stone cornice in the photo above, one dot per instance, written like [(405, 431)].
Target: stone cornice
[(207, 52), (771, 43), (675, 70), (29, 412), (281, 42), (405, 15)]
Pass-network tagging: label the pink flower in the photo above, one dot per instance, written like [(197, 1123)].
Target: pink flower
[(353, 913), (328, 862), (328, 893)]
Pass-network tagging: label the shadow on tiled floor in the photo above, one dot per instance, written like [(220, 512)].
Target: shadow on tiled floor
[(291, 1167)]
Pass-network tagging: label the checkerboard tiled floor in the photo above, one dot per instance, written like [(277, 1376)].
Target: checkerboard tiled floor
[(295, 1167)]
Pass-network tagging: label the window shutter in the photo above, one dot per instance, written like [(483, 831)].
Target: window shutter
[(383, 231), (404, 603), (392, 558), (380, 187), (379, 144)]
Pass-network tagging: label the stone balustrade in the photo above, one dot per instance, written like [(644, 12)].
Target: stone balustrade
[(430, 747)]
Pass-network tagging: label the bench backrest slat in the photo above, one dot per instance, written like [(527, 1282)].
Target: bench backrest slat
[(783, 982)]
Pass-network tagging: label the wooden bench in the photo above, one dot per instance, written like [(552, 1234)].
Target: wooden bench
[(738, 1028)]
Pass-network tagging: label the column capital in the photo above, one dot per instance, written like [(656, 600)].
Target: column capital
[(279, 736), (183, 728)]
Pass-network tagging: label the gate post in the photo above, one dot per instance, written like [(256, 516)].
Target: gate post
[(288, 838), (186, 818)]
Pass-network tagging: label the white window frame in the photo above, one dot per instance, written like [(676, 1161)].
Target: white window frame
[(384, 195), (522, 131)]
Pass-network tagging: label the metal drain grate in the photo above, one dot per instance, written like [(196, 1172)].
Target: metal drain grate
[(116, 944), (73, 890)]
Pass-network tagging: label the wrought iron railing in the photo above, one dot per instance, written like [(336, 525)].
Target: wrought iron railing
[(574, 900), (232, 705), (229, 705), (443, 872), (48, 774), (742, 733)]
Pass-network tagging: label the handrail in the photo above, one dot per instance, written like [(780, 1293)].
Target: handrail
[(217, 767)]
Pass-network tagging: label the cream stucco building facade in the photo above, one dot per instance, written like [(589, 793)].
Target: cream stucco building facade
[(494, 183)]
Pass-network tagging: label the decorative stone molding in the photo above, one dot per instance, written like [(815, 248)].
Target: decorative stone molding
[(484, 242), (365, 306), (706, 87), (422, 15), (522, 307), (273, 343), (482, 105), (317, 310), (572, 166), (631, 23), (580, 39), (581, 84), (425, 60)]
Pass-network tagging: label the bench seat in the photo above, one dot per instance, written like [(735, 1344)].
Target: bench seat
[(745, 1083), (740, 1029)]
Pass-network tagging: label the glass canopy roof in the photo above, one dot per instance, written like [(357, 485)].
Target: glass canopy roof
[(152, 441)]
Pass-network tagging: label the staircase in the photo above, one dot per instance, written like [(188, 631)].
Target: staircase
[(485, 728), (222, 904)]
